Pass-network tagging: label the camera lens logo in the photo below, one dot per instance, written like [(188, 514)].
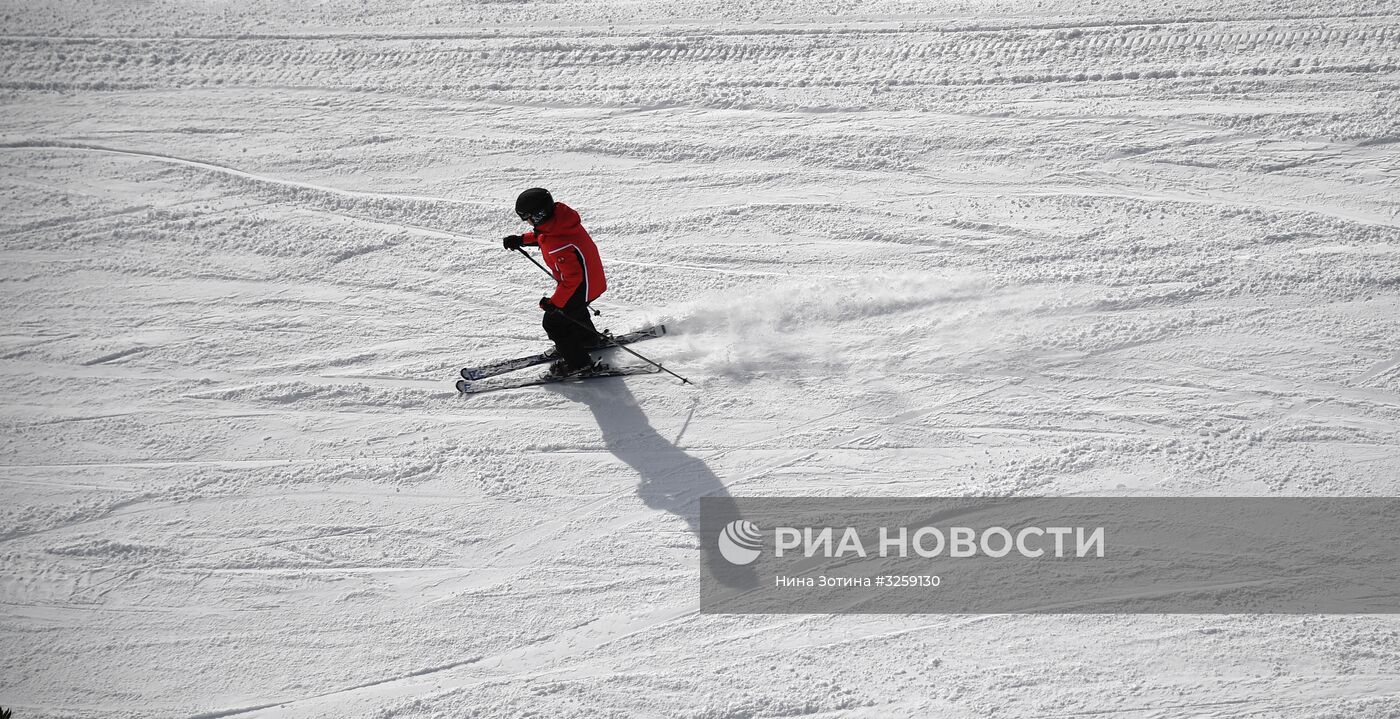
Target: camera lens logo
[(740, 542)]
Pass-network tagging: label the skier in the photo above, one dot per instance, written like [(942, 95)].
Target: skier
[(573, 259)]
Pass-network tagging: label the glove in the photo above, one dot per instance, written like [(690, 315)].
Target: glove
[(547, 306), (513, 242)]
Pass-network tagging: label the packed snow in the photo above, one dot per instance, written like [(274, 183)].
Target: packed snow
[(903, 249)]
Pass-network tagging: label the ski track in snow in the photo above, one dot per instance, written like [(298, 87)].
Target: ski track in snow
[(904, 249)]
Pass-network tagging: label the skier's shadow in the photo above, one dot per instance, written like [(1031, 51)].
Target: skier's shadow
[(671, 479)]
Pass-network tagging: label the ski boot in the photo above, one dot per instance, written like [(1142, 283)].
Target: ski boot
[(561, 369)]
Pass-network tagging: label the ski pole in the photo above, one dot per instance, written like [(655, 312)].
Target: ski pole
[(605, 337), (542, 269), (628, 350), (522, 251)]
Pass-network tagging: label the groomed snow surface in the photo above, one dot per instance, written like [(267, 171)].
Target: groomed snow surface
[(906, 249)]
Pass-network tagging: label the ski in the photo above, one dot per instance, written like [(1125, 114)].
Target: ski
[(472, 374), (467, 387)]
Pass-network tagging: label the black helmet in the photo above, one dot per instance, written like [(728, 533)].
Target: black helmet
[(534, 205)]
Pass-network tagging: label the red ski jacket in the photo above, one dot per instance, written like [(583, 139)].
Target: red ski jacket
[(570, 254)]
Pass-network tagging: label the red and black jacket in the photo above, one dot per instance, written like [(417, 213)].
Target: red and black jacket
[(570, 254)]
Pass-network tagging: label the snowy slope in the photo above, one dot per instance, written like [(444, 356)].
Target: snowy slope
[(905, 248)]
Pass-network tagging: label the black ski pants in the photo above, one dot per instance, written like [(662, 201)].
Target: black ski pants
[(572, 330)]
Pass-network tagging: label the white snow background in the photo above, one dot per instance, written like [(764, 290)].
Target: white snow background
[(906, 248)]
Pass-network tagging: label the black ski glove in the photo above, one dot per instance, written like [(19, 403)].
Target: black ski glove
[(513, 242), (547, 306)]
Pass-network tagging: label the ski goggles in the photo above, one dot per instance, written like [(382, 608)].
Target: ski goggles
[(533, 218)]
